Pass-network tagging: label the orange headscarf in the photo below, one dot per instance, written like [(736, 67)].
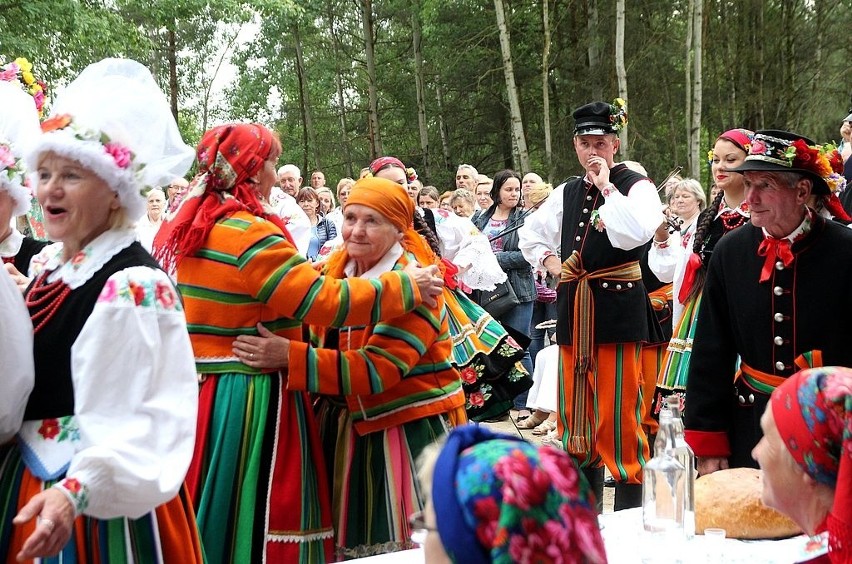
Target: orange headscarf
[(393, 203)]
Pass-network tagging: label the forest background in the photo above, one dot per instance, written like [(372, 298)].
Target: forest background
[(437, 83)]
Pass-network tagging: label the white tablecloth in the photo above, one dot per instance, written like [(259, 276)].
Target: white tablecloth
[(627, 542)]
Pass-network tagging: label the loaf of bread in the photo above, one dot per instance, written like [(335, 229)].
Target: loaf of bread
[(730, 500)]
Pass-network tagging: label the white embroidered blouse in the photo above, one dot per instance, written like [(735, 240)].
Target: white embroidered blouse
[(16, 350), (129, 443)]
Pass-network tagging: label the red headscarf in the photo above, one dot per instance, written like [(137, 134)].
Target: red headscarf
[(229, 156), (813, 413), (392, 201)]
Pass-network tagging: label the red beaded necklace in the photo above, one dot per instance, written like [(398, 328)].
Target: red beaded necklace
[(46, 298), (731, 219)]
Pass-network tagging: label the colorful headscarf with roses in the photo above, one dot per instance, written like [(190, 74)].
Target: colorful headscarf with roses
[(498, 498), (813, 413), (229, 156)]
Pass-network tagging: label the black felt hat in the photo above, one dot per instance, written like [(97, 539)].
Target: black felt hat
[(774, 150), (594, 119)]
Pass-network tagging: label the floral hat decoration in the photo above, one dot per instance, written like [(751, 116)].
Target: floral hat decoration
[(18, 132), (20, 71), (600, 118), (114, 120), (783, 151), (498, 498)]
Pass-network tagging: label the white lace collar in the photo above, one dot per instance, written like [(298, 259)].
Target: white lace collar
[(87, 262), (385, 264), (11, 245)]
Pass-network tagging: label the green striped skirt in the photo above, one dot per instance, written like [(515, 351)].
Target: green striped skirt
[(257, 477), (374, 479)]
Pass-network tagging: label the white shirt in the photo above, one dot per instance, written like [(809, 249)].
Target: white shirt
[(295, 219), (146, 230), (630, 221), (16, 350)]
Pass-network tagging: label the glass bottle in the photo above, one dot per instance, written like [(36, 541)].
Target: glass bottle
[(686, 457), (664, 485)]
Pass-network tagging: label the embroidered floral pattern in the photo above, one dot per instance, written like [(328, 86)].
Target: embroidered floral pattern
[(140, 293), (60, 429), (76, 492), (527, 504)]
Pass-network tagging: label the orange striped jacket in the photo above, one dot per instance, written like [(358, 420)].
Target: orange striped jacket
[(247, 272), (390, 373)]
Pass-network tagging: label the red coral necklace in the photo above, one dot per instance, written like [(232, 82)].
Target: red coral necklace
[(46, 298)]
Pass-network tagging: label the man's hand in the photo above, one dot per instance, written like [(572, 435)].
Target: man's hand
[(598, 171), (267, 351), (429, 281), (709, 464), (553, 266)]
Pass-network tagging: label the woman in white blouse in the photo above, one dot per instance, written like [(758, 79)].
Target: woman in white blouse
[(109, 427)]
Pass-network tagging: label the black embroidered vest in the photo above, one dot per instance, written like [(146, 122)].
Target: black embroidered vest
[(53, 394)]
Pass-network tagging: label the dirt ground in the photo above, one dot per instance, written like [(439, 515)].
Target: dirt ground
[(508, 427)]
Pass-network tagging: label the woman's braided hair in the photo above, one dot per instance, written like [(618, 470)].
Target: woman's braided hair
[(426, 232), (702, 228)]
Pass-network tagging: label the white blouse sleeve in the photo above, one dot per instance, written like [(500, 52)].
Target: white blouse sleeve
[(135, 396), (297, 222), (541, 233), (663, 261), (16, 350), (466, 246), (631, 220)]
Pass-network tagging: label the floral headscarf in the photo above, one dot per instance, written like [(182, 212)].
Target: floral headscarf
[(228, 157), (498, 498), (813, 414)]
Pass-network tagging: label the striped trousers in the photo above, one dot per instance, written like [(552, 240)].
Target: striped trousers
[(613, 410)]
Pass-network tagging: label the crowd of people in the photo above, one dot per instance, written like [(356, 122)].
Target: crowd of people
[(239, 368)]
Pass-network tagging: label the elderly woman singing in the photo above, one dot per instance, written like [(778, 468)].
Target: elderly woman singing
[(96, 470), (389, 389), (257, 476)]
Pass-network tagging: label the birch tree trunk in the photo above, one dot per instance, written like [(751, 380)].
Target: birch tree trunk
[(518, 138), (419, 86), (621, 71), (545, 91), (697, 87), (442, 127), (309, 139), (372, 92), (173, 79), (687, 70), (594, 51), (338, 84)]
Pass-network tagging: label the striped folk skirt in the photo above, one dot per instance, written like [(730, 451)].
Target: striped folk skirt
[(257, 478), (168, 534), (675, 369), (374, 479)]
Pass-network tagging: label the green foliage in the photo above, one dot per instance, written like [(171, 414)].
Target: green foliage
[(767, 63)]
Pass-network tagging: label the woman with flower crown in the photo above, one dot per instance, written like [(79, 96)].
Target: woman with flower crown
[(683, 259), (258, 476), (96, 469)]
